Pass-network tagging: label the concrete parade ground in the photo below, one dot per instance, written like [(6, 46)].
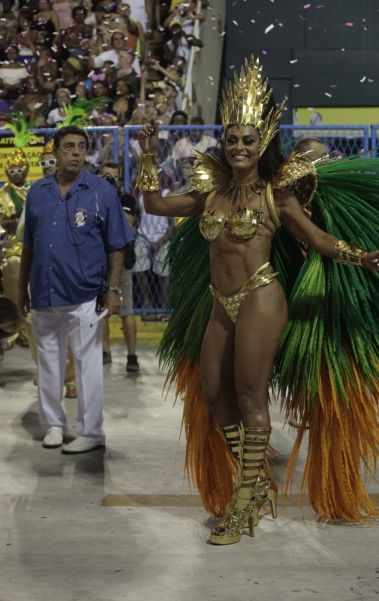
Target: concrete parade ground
[(122, 524)]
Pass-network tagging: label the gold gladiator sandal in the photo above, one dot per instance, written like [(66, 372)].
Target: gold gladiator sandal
[(255, 438), (234, 438), (252, 489)]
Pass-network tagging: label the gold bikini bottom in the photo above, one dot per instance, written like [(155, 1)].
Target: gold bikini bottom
[(233, 303)]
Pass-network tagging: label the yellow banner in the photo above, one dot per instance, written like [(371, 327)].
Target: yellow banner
[(32, 154)]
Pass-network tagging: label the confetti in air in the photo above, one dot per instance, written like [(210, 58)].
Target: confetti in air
[(294, 61), (306, 5), (269, 28), (327, 94), (349, 24), (363, 79)]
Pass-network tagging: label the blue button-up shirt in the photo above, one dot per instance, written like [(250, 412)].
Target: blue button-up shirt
[(71, 237)]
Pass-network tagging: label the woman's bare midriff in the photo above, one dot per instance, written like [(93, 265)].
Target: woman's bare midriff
[(233, 261)]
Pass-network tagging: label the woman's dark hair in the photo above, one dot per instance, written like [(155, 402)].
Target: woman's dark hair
[(27, 14), (79, 9), (65, 131), (15, 47)]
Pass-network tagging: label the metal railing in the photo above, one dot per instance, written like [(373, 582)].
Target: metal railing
[(374, 141), (121, 146)]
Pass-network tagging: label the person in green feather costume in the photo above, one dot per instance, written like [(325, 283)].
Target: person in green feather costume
[(233, 270)]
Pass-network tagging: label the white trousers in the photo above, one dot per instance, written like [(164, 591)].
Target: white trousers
[(52, 327)]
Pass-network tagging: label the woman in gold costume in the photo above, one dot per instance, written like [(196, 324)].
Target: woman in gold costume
[(240, 214)]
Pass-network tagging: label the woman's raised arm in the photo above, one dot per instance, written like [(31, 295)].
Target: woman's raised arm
[(174, 205)]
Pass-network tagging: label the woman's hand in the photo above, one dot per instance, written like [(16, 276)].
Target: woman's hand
[(371, 260), (148, 137)]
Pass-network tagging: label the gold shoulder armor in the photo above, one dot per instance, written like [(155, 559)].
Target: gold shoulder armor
[(209, 172), (299, 174)]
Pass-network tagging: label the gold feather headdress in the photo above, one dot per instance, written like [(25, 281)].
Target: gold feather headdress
[(47, 149), (244, 102)]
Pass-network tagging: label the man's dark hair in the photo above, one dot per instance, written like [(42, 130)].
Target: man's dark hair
[(69, 130), (180, 114), (110, 164), (302, 145), (197, 121)]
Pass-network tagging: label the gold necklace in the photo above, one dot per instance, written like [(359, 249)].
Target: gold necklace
[(243, 191)]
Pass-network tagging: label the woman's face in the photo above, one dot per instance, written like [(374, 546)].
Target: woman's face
[(99, 89), (122, 89), (24, 23), (62, 98), (242, 146), (187, 168), (12, 55), (160, 103), (79, 16), (43, 5), (81, 91), (31, 85)]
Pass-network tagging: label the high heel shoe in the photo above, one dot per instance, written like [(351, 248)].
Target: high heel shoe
[(250, 492), (253, 519)]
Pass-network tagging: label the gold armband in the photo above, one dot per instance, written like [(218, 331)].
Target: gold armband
[(148, 174), (349, 253)]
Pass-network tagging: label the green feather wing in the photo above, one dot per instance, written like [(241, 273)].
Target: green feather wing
[(333, 309), (190, 299)]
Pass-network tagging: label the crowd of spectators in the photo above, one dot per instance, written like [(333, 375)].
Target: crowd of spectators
[(134, 54)]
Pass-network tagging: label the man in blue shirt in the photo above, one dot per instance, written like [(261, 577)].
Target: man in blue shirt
[(74, 235)]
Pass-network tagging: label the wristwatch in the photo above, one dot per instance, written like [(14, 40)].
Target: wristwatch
[(115, 289)]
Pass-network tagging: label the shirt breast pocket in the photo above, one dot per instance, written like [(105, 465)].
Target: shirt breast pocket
[(84, 221)]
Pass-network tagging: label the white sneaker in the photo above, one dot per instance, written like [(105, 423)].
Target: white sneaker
[(53, 439), (81, 445)]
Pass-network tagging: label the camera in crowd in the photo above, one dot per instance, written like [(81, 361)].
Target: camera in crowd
[(110, 179)]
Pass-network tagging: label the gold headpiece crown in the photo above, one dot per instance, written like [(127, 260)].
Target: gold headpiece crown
[(244, 102), (16, 157), (48, 148)]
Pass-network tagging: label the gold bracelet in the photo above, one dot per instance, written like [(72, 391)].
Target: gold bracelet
[(349, 253), (148, 174)]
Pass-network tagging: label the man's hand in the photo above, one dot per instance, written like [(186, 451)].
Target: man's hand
[(112, 302), (23, 302)]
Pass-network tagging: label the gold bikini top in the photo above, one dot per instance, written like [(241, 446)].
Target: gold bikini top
[(243, 221)]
